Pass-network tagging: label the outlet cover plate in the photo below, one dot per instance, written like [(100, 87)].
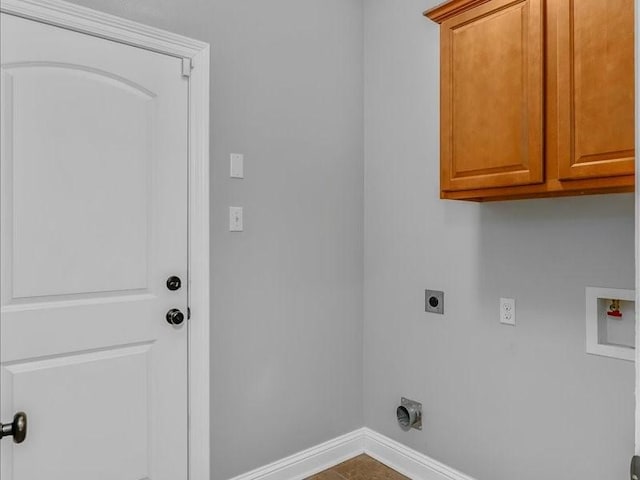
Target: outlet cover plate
[(508, 311), (434, 301)]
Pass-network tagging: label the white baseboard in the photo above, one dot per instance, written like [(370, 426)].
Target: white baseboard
[(401, 458), (311, 461), (407, 461)]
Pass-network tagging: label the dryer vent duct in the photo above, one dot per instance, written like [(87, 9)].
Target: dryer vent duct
[(409, 414)]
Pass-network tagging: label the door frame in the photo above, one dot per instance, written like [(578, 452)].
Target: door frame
[(637, 223), (196, 54)]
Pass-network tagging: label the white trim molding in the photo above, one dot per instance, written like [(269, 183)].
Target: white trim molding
[(310, 461), (637, 227), (407, 461), (199, 278), (81, 19), (401, 458)]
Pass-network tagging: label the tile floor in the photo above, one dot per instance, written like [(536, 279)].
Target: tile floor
[(362, 467)]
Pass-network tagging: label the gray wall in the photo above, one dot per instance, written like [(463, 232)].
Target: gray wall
[(501, 403), (286, 90)]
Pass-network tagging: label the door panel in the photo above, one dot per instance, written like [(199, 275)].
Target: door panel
[(94, 220), (595, 88), (491, 96), (100, 176), (76, 384)]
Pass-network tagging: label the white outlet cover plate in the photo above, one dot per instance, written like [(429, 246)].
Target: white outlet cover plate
[(508, 311)]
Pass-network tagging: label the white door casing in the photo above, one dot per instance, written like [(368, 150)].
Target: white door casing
[(100, 297), (637, 225)]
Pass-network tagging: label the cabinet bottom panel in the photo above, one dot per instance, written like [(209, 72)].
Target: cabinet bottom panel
[(552, 188)]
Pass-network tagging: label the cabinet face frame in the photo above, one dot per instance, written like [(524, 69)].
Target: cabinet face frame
[(529, 167), (570, 163)]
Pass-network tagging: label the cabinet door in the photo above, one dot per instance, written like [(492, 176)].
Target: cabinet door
[(595, 87), (492, 96)]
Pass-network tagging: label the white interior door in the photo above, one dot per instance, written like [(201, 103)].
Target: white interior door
[(94, 221)]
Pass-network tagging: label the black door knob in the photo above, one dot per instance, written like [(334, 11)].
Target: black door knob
[(16, 429), (175, 317), (174, 283)]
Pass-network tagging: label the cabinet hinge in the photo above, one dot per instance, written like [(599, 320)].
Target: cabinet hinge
[(187, 66)]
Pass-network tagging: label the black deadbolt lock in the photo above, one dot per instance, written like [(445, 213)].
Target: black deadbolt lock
[(174, 283)]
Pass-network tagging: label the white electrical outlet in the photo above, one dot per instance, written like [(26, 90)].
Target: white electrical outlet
[(508, 311)]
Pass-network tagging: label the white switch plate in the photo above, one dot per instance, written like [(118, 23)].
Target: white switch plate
[(237, 165), (235, 219), (508, 311)]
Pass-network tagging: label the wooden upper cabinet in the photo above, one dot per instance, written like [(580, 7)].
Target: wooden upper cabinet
[(595, 87), (537, 97), (492, 96)]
